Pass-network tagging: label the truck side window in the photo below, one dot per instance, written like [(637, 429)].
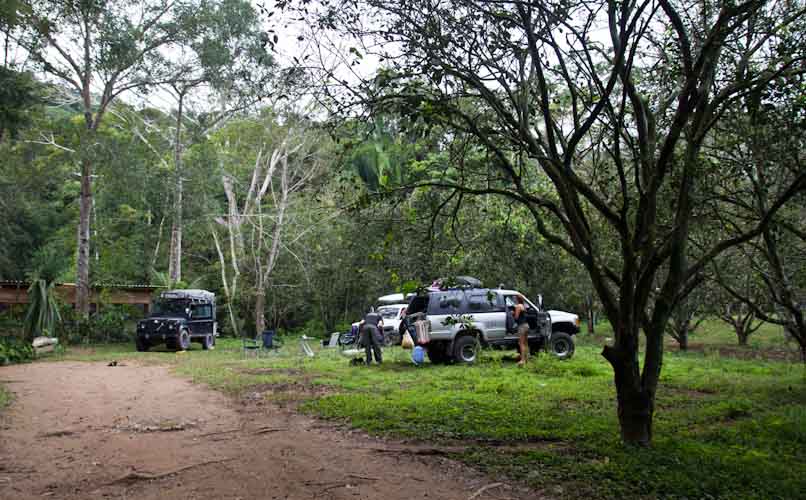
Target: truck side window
[(418, 304), (446, 302), (201, 311), (481, 303)]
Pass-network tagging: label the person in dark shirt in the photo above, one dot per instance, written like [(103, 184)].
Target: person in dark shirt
[(371, 328)]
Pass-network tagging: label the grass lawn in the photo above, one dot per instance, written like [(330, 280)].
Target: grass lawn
[(725, 428)]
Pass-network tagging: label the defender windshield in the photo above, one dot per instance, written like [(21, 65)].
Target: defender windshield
[(170, 307)]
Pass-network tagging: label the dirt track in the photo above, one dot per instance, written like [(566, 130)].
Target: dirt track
[(87, 430)]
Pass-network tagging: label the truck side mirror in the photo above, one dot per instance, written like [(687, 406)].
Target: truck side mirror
[(540, 301)]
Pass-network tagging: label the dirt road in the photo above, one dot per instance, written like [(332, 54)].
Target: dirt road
[(87, 430)]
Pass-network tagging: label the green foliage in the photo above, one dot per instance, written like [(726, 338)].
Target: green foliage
[(14, 350), (5, 398), (18, 95), (43, 315), (312, 328), (110, 325)]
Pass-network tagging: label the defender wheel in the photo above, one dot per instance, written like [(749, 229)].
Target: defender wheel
[(141, 344), (208, 341), (465, 349), (183, 341), (561, 345)]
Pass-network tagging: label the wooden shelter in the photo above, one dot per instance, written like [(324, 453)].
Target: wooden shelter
[(16, 292)]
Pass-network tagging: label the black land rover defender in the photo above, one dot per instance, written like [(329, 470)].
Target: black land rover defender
[(178, 318)]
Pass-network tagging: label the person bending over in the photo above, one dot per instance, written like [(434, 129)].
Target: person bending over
[(371, 328)]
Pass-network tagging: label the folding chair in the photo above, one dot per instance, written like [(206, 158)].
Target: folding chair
[(306, 348), (251, 345)]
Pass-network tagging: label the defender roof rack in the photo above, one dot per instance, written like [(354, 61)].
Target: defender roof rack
[(192, 295)]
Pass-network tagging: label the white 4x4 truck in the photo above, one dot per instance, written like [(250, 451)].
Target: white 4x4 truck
[(464, 319), (392, 310)]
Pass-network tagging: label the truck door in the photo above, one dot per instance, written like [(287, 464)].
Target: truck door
[(441, 307), (486, 307), (509, 301), (201, 319)]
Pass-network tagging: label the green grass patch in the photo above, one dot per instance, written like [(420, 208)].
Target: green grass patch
[(5, 398), (724, 427)]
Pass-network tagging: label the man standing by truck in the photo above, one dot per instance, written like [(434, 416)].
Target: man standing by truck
[(371, 327)]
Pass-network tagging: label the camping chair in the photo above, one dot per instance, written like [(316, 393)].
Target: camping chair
[(260, 345), (251, 346), (306, 347)]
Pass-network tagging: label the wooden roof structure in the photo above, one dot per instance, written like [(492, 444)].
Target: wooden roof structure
[(16, 292)]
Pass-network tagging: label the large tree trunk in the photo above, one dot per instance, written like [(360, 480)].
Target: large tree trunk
[(635, 404), (175, 254), (798, 333), (260, 308), (682, 341), (83, 263)]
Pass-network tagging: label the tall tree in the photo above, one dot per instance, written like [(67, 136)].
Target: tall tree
[(594, 115), (101, 49), (226, 63), (260, 223)]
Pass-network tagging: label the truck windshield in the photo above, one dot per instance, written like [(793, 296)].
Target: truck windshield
[(170, 307)]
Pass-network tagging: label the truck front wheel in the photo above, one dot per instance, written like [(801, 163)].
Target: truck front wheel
[(183, 341), (141, 344), (561, 345), (466, 349)]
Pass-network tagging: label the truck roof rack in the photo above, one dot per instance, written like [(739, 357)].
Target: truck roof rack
[(192, 295)]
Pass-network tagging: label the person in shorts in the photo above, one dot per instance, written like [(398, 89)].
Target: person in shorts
[(523, 329)]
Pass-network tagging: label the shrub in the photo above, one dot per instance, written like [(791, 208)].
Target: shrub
[(13, 350), (107, 326), (43, 310)]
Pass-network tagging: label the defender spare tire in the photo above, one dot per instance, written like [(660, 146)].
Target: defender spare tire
[(561, 345), (466, 349)]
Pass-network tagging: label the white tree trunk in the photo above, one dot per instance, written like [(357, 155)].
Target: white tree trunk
[(175, 254)]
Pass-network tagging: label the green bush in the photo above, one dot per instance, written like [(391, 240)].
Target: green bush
[(107, 326), (312, 328), (13, 350), (43, 315), (11, 319)]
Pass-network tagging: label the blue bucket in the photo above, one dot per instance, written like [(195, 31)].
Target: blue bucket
[(418, 355), (268, 339)]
